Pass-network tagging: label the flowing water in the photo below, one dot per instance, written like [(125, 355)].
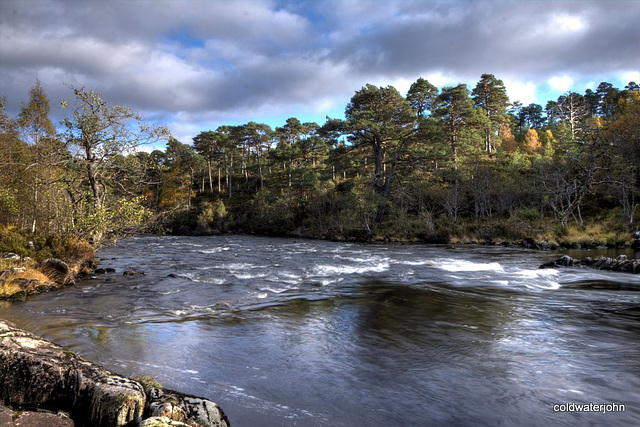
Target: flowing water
[(282, 332)]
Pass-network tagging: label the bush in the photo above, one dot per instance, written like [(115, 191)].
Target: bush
[(14, 241), (68, 249)]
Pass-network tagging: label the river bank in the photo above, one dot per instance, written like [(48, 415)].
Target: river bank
[(43, 384)]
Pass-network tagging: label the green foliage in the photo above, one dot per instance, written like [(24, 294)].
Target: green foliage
[(437, 164), (8, 203), (527, 214), (15, 241), (212, 216), (123, 217), (69, 249)]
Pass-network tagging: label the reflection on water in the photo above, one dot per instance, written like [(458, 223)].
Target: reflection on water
[(282, 332)]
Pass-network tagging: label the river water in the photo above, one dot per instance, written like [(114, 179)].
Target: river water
[(283, 332)]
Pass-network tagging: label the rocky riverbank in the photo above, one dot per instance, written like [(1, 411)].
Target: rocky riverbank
[(621, 263), (25, 278), (36, 374)]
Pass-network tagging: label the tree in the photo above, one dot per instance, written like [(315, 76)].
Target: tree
[(288, 135), (38, 127), (96, 134), (183, 163), (422, 97), (490, 95), (458, 117), (624, 168), (14, 156), (531, 117), (207, 144), (532, 143), (381, 120), (607, 99), (573, 110), (257, 138)]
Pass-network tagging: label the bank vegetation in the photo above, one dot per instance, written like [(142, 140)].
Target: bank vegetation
[(452, 164)]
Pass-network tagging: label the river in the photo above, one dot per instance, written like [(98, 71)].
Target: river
[(283, 332)]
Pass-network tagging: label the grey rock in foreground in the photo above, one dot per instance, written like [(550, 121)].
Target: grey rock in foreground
[(187, 410), (36, 373), (9, 418)]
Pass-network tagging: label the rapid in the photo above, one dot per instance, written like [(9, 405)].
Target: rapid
[(284, 332)]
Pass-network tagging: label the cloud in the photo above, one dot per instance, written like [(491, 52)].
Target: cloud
[(198, 63), (524, 92), (560, 83)]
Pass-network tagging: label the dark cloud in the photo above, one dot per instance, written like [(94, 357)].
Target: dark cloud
[(189, 61)]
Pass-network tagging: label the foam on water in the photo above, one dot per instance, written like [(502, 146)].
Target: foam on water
[(458, 265), (328, 270), (214, 250)]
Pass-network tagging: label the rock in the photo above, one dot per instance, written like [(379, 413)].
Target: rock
[(11, 255), (622, 263), (104, 270), (6, 417), (42, 419), (9, 418), (161, 422), (190, 410), (57, 270), (133, 273), (37, 373)]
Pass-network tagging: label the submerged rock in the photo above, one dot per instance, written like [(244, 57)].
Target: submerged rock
[(621, 263), (133, 273)]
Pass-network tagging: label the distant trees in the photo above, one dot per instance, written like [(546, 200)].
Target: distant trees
[(397, 166)]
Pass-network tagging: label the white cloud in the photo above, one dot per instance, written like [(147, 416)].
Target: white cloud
[(199, 64), (561, 83), (568, 23), (525, 92), (630, 76)]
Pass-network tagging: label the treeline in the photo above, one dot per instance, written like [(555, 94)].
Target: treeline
[(435, 164)]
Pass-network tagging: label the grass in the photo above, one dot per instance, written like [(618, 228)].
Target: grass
[(77, 253), (8, 289)]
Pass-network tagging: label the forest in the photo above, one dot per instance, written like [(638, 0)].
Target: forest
[(449, 164)]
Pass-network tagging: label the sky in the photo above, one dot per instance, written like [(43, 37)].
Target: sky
[(195, 65)]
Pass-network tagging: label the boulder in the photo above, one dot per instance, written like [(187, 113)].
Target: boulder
[(35, 372), (6, 417), (133, 273), (161, 422), (184, 409), (57, 270), (10, 418), (41, 419)]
